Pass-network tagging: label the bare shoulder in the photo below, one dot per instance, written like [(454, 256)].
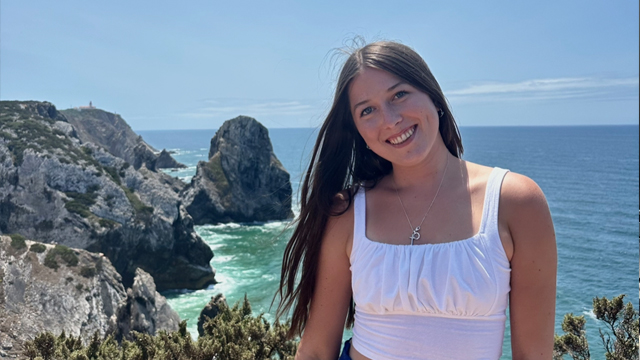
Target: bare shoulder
[(339, 228), (520, 194), (526, 212)]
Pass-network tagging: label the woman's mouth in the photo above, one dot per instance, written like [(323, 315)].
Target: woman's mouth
[(397, 140)]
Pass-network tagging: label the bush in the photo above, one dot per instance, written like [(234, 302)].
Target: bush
[(38, 248), (88, 271), (620, 319), (232, 335), (18, 241), (65, 253)]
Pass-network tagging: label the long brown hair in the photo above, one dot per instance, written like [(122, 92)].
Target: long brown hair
[(340, 161)]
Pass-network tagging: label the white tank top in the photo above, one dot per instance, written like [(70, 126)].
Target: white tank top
[(431, 301)]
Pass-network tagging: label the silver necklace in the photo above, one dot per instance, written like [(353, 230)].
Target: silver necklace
[(416, 231)]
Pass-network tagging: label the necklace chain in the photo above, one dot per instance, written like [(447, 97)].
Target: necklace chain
[(416, 231)]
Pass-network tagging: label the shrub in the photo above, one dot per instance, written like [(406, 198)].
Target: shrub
[(620, 319), (50, 260), (18, 241), (113, 172), (232, 335), (38, 248), (65, 253), (88, 271)]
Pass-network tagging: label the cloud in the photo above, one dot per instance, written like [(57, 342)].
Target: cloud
[(542, 89), (233, 107)]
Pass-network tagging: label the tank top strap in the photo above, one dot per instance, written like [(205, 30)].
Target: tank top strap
[(489, 222), (359, 220)]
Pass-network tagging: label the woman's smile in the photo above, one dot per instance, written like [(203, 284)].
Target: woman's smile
[(403, 138)]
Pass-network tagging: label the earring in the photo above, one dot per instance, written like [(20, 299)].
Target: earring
[(368, 148), (440, 113)]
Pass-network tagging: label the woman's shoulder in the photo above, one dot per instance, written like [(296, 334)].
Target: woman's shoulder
[(517, 189), (339, 228)]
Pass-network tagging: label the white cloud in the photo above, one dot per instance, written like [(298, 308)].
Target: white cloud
[(542, 89), (233, 107)]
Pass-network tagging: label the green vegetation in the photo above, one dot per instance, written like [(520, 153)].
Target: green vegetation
[(88, 271), (79, 287), (38, 248), (81, 202), (64, 253), (232, 335), (620, 340), (106, 223), (18, 241), (113, 172), (216, 173), (33, 131), (143, 212)]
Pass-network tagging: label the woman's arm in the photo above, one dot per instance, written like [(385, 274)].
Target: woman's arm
[(322, 335), (533, 268)]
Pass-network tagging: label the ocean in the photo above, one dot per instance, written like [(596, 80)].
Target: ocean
[(589, 175)]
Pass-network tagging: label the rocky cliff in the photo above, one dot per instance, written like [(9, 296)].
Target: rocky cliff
[(114, 134), (54, 288), (243, 181), (56, 189)]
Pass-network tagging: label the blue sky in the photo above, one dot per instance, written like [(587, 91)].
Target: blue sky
[(195, 64)]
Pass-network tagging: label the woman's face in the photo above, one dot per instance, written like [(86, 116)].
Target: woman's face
[(397, 121)]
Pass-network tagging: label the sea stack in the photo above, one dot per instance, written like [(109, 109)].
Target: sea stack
[(243, 181)]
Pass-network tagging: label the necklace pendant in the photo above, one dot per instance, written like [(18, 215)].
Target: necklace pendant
[(415, 235)]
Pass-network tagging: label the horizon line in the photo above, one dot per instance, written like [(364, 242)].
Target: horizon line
[(463, 126)]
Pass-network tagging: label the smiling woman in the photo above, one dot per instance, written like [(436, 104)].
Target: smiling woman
[(479, 239)]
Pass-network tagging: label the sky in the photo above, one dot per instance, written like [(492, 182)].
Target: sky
[(167, 65)]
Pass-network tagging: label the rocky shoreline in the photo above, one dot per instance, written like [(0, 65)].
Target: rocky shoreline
[(95, 229), (54, 288)]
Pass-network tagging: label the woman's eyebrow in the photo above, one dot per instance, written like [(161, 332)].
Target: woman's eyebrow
[(389, 89)]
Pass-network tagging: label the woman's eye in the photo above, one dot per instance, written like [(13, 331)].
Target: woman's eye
[(400, 94), (366, 111)]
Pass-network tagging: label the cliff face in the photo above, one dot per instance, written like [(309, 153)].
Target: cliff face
[(243, 181), (54, 288), (113, 133), (56, 189)]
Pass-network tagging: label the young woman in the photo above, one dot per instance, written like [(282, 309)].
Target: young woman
[(430, 248)]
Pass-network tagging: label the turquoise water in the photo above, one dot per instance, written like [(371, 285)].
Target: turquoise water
[(589, 175)]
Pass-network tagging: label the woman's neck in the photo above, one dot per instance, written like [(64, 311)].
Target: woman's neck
[(427, 173)]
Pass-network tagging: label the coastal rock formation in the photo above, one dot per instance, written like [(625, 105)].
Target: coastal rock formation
[(54, 288), (144, 310), (165, 161), (210, 311), (56, 189), (243, 181), (114, 134)]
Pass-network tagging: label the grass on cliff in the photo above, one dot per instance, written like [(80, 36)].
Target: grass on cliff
[(23, 129), (232, 335), (18, 241), (60, 251), (213, 170), (142, 211)]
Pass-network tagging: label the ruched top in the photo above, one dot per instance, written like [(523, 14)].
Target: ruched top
[(431, 301)]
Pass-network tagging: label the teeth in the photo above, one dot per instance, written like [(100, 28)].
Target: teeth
[(402, 138)]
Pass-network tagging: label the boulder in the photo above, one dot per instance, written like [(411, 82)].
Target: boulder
[(114, 134), (243, 180), (210, 311), (56, 189), (144, 310), (165, 161)]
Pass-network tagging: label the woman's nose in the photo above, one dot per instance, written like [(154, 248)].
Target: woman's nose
[(390, 115)]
